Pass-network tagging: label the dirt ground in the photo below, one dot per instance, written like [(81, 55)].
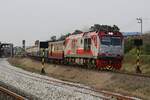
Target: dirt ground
[(125, 84)]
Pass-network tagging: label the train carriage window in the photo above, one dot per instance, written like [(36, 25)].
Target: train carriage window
[(87, 44)]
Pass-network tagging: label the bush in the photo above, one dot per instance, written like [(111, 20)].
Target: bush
[(146, 49), (128, 45)]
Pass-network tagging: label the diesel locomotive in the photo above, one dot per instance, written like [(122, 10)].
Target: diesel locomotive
[(98, 49)]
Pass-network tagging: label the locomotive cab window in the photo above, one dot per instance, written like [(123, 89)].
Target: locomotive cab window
[(106, 41), (87, 44), (115, 41)]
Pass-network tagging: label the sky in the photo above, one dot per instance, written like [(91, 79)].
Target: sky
[(32, 20)]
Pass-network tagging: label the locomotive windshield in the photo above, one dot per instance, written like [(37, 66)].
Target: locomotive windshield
[(115, 41), (106, 40)]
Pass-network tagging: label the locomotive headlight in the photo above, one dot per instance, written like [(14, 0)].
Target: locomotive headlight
[(110, 33)]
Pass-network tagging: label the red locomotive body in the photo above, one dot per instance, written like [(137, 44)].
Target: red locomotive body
[(100, 49)]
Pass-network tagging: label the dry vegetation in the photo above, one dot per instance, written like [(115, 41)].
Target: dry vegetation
[(129, 64), (130, 85)]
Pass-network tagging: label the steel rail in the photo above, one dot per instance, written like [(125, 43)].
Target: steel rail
[(14, 96)]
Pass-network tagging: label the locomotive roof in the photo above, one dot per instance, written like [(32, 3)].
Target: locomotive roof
[(57, 41), (94, 33), (75, 36)]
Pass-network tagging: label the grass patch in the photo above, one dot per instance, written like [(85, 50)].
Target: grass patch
[(129, 63), (22, 64), (136, 86)]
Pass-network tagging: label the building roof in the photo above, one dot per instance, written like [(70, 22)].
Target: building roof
[(130, 33)]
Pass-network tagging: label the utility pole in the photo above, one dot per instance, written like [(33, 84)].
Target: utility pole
[(140, 21), (11, 50), (23, 47)]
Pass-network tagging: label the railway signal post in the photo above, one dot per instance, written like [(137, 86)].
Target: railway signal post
[(138, 43), (43, 46), (43, 61)]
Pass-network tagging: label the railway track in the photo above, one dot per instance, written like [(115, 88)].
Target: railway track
[(106, 95), (132, 74), (6, 94), (116, 72)]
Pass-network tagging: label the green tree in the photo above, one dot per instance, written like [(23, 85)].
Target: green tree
[(53, 38), (77, 32), (105, 28), (128, 45)]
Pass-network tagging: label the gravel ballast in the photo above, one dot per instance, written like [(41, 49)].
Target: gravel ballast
[(33, 84)]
